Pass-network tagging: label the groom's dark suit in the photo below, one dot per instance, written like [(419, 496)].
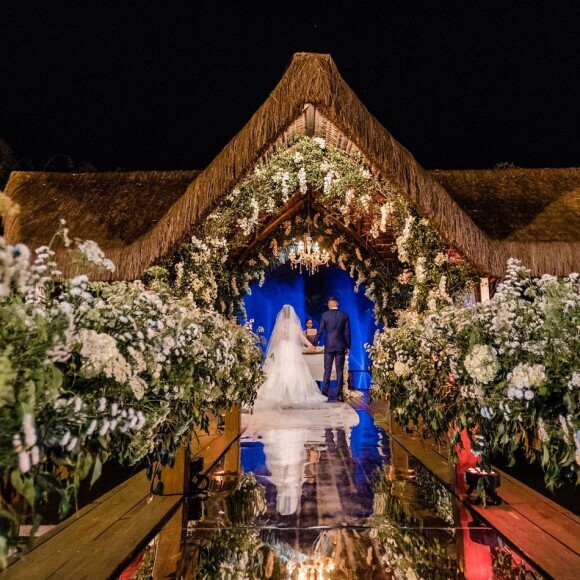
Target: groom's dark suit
[(336, 324)]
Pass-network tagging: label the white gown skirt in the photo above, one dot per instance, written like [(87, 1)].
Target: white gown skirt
[(289, 382)]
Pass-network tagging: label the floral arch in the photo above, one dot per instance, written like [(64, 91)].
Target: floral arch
[(368, 228)]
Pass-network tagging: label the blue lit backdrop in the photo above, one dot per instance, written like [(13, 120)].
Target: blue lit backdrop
[(308, 295)]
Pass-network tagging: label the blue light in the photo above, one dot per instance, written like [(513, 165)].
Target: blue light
[(309, 295)]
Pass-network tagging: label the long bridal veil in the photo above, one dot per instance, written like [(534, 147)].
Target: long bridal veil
[(286, 333), (289, 382)]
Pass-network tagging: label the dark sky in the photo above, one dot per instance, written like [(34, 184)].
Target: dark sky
[(165, 85)]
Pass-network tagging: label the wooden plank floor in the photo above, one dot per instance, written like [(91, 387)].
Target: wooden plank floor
[(91, 543), (546, 533)]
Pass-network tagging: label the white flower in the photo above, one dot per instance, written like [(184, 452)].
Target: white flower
[(542, 433), (401, 369), (24, 461), (526, 376), (320, 142), (35, 455), (482, 364), (29, 430), (420, 273), (386, 211), (402, 240), (302, 184), (574, 382), (95, 255)]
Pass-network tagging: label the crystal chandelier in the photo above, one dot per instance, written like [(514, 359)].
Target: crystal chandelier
[(307, 253)]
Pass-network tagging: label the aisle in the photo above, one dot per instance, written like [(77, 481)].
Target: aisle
[(325, 494)]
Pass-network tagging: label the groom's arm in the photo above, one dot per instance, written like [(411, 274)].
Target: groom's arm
[(321, 329), (347, 332)]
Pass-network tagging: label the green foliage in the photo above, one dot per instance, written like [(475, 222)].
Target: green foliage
[(507, 371)]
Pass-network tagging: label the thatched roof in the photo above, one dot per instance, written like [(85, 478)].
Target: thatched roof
[(312, 98), (520, 205), (114, 209)]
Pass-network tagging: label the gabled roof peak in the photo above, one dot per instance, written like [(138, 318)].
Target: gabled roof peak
[(313, 79)]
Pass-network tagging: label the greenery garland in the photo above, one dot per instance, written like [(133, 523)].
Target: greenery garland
[(427, 273)]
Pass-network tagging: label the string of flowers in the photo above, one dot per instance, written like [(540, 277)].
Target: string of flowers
[(507, 371), (93, 371), (427, 273)]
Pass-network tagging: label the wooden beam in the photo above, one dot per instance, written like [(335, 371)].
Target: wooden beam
[(310, 124), (347, 230), (274, 223)]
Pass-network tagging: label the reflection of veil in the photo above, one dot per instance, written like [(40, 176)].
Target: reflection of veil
[(287, 436), (285, 459)]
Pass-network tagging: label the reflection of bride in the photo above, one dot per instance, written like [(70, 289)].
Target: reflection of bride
[(289, 382), (292, 441)]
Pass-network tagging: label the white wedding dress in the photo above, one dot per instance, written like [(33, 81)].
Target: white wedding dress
[(289, 383)]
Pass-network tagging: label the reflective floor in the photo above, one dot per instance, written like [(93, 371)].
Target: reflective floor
[(325, 494)]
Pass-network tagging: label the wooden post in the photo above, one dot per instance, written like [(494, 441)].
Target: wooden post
[(233, 421), (176, 479), (484, 289)]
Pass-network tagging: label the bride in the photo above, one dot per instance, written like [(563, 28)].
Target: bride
[(289, 382)]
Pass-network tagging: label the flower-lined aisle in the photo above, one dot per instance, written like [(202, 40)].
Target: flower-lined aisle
[(507, 370), (94, 371)]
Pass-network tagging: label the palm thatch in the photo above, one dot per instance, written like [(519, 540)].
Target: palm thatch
[(312, 98), (115, 208), (519, 205)]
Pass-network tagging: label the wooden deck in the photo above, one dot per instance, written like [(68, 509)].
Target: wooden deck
[(547, 534), (100, 538), (103, 537)]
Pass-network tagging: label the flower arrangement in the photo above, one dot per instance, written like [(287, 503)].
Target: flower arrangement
[(90, 371), (507, 370), (427, 275)]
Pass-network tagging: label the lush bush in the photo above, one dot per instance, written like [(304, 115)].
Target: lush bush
[(91, 371), (507, 370)]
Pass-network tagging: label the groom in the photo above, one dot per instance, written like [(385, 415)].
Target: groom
[(336, 324)]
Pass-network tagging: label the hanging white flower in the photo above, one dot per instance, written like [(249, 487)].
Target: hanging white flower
[(302, 183), (386, 211)]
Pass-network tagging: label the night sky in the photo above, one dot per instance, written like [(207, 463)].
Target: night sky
[(165, 85)]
